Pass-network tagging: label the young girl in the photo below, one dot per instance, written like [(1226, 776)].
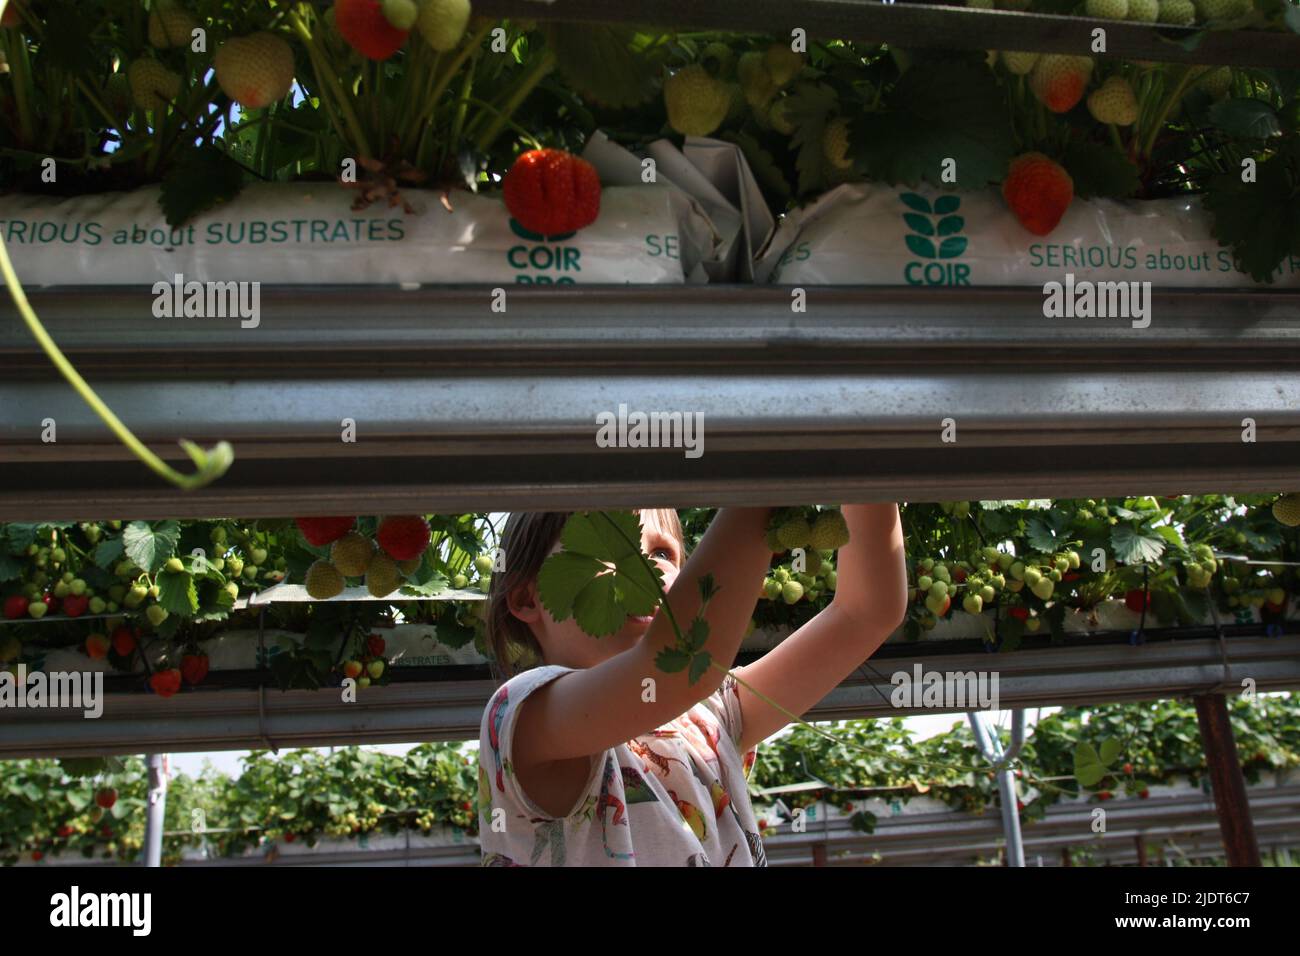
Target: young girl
[(583, 762)]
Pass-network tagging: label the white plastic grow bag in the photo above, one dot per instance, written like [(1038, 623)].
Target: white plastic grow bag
[(873, 234), (308, 233)]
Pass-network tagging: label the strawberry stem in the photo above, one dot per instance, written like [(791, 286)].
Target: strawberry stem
[(211, 465)]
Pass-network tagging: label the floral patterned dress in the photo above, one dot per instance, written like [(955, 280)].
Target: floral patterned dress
[(676, 796)]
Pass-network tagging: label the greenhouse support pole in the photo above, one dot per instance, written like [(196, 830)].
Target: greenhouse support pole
[(991, 747), (1235, 823), (153, 826)]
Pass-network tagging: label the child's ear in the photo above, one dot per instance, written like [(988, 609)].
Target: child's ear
[(524, 603)]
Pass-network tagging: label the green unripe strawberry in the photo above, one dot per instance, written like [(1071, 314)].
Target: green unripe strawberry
[(924, 582), (1276, 596), (831, 578), (795, 533), (98, 605), (250, 572), (791, 591), (442, 22), (939, 589), (154, 591), (1019, 63), (1073, 560), (972, 604), (987, 594), (1286, 510), (779, 115), (781, 574), (383, 576), (59, 555), (37, 609), (1032, 576), (1054, 574), (217, 535), (771, 588), (696, 102), (1018, 570), (835, 144), (258, 555), (755, 80), (1033, 624), (62, 589), (1107, 9), (940, 573), (1143, 11), (323, 581), (174, 565), (483, 564), (783, 64), (927, 565), (77, 586), (235, 565), (459, 581), (1043, 588), (1178, 12), (718, 58), (156, 614)]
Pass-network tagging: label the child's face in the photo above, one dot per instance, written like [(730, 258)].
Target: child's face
[(563, 642)]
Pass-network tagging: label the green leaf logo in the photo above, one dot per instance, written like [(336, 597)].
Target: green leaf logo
[(922, 225)]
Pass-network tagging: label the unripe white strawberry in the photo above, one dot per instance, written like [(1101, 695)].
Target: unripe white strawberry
[(442, 22), (835, 144), (1143, 11), (255, 71), (1114, 102), (1020, 63), (169, 26), (1180, 13), (153, 86), (1107, 9), (1222, 9)]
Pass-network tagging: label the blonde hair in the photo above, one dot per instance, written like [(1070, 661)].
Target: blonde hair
[(526, 542)]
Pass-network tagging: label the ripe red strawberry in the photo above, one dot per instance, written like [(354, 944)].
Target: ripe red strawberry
[(365, 28), (1105, 795), (74, 605), (375, 645), (124, 640), (1137, 600), (290, 837), (1019, 613), (194, 667), (166, 682), (1038, 191), (1144, 793), (1058, 80), (105, 797), (255, 71), (37, 855), (65, 831), (16, 606), (403, 537), (323, 531), (551, 192)]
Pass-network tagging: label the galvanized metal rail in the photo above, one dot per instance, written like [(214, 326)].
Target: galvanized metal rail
[(451, 709), (922, 25), (458, 407)]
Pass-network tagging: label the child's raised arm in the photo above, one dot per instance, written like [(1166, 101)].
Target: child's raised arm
[(870, 602), (587, 711)]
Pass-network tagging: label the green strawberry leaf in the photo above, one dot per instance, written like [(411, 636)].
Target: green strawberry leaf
[(808, 107), (949, 110), (1046, 531), (108, 552), (670, 660), (10, 567), (598, 608), (1100, 170), (1109, 750), (150, 545), (699, 664), (612, 65), (562, 578), (204, 177), (1246, 118), (1088, 767), (1259, 221), (177, 593), (1136, 545)]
